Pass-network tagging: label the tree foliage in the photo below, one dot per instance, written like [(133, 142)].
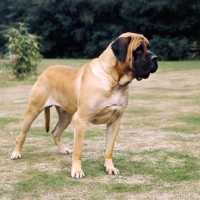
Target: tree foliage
[(84, 28), (23, 51)]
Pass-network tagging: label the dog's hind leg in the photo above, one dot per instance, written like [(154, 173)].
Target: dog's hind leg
[(32, 111), (64, 119)]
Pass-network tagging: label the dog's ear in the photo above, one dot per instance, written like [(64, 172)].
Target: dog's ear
[(120, 47)]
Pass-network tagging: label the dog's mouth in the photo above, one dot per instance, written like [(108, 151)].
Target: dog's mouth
[(139, 78), (144, 72)]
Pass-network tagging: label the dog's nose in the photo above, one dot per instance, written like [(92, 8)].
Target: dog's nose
[(154, 63), (154, 58)]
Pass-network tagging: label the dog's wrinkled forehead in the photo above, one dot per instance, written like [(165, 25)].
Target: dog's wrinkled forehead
[(126, 43), (136, 40)]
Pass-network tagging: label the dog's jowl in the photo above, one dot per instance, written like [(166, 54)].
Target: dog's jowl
[(95, 93)]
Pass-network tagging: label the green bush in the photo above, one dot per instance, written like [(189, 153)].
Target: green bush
[(23, 51), (177, 48)]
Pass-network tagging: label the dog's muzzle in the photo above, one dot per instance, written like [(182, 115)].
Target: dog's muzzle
[(150, 66), (154, 64)]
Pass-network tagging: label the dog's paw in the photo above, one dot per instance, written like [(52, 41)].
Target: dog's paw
[(77, 174), (16, 156), (66, 151), (112, 171), (109, 167)]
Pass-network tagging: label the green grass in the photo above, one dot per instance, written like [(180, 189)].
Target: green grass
[(179, 65), (41, 180), (186, 167), (44, 180), (162, 170), (8, 120), (186, 124), (157, 150), (192, 120)]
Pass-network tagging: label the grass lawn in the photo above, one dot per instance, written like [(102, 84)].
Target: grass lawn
[(157, 150)]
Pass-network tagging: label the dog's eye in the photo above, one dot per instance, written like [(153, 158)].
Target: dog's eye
[(138, 53), (148, 46), (139, 50)]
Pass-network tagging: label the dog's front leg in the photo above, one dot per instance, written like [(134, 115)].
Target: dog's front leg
[(79, 133), (111, 134)]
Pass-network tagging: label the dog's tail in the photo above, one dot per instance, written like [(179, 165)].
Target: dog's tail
[(47, 118)]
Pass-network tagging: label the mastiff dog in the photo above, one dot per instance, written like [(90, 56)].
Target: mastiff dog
[(96, 93)]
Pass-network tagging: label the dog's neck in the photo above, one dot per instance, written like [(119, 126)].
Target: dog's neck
[(109, 63)]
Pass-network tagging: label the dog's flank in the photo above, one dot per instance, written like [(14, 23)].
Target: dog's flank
[(95, 93)]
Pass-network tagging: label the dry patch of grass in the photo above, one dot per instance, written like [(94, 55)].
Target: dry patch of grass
[(157, 150)]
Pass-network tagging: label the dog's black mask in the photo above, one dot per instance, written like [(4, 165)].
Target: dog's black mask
[(145, 62)]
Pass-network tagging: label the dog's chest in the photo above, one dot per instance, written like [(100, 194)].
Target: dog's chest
[(110, 108), (116, 102)]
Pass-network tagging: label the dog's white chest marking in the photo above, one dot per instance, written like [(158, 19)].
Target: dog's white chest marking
[(116, 102), (110, 109), (116, 107)]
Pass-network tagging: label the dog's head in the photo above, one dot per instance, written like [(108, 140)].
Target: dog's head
[(133, 53)]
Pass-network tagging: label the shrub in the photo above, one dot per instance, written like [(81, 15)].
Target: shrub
[(177, 48), (23, 51)]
